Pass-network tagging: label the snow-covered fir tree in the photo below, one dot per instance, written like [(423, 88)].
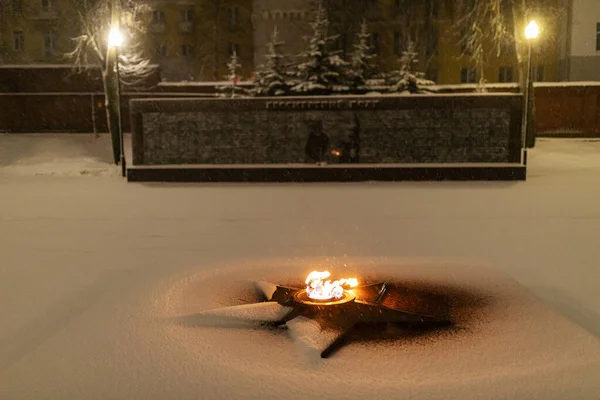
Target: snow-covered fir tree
[(360, 67), (232, 89), (406, 79), (271, 79), (320, 71)]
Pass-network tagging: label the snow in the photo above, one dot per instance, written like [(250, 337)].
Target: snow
[(474, 86), (43, 66), (311, 340), (566, 84), (266, 288), (245, 313), (203, 83), (94, 273), (511, 85)]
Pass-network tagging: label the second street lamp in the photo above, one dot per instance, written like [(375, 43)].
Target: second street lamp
[(115, 40), (531, 33)]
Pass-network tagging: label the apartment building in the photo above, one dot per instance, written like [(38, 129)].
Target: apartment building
[(291, 18), (34, 31), (192, 39), (581, 45)]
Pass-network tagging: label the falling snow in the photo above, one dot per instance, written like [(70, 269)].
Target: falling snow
[(95, 274)]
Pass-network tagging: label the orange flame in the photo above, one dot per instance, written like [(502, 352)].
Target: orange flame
[(320, 289)]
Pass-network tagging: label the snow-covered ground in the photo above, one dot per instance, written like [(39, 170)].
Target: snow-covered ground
[(90, 263)]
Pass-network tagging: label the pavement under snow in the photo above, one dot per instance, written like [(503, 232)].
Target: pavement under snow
[(93, 270)]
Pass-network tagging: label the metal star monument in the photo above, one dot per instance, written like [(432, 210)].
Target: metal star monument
[(324, 324)]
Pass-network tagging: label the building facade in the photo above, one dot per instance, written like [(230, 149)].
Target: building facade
[(433, 26), (34, 31), (581, 52), (193, 39), (291, 18)]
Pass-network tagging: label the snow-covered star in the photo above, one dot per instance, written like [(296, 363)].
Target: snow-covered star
[(323, 325)]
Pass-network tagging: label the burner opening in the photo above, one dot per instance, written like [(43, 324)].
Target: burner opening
[(303, 297), (320, 289)]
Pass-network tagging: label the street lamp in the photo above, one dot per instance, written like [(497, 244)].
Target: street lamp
[(531, 33), (115, 40)]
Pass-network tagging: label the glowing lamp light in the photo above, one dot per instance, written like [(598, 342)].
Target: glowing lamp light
[(532, 30), (115, 38)]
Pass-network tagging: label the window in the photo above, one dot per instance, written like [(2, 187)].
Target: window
[(375, 42), (432, 75), (464, 35), (186, 50), (598, 36), (234, 47), (46, 5), (18, 41), (161, 51), (397, 45), (505, 74), (468, 75), (372, 9), (342, 43), (157, 17), (17, 6), (432, 42), (507, 48), (187, 15), (433, 8), (49, 43), (538, 73), (232, 16)]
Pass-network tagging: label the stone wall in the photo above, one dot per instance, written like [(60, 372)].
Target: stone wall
[(390, 129)]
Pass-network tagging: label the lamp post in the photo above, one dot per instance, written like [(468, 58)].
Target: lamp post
[(531, 33), (115, 40)]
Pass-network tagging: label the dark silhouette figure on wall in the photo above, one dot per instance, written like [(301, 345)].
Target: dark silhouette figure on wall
[(351, 147), (317, 143)]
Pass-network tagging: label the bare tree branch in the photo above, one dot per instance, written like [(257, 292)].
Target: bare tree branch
[(500, 23), (90, 47)]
